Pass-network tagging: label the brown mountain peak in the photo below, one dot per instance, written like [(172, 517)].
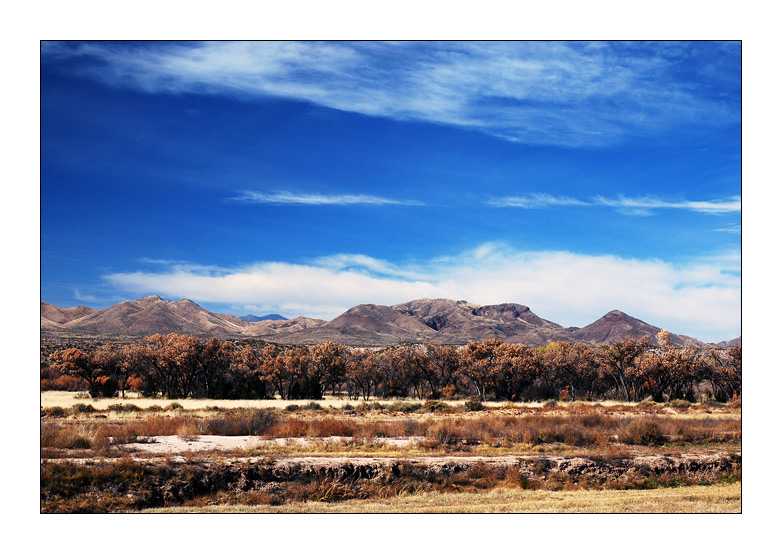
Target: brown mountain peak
[(153, 298)]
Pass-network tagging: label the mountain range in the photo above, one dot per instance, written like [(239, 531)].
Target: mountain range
[(252, 318), (439, 320)]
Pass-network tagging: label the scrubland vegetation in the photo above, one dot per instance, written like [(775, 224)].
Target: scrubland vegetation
[(93, 460), (418, 421)]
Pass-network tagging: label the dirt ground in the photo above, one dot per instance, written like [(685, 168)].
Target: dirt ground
[(173, 444)]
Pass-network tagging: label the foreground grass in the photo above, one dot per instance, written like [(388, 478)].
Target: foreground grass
[(718, 498)]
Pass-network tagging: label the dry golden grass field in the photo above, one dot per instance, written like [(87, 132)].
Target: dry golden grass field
[(720, 498)]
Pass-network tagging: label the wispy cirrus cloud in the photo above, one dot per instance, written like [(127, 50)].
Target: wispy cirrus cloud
[(571, 94), (639, 206), (644, 204), (317, 199), (701, 298), (730, 229), (535, 201)]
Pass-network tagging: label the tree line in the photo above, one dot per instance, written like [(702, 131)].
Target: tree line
[(181, 366)]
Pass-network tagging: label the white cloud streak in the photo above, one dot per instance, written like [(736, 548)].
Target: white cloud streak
[(629, 206), (728, 205), (701, 298), (535, 201), (317, 199), (571, 94)]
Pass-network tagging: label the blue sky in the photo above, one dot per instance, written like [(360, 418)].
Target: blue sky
[(305, 178)]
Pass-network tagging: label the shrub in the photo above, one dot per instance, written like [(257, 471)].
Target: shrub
[(54, 411), (242, 422), (124, 408), (450, 433), (82, 409), (154, 408), (444, 433), (715, 403), (436, 406), (366, 407), (79, 442), (680, 403), (643, 431), (174, 406), (550, 403), (473, 405), (404, 407), (55, 435)]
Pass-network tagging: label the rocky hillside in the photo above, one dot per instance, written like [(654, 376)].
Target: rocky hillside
[(440, 320)]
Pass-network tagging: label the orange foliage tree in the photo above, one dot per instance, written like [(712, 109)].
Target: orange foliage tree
[(74, 362)]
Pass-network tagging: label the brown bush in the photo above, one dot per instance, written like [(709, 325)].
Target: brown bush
[(240, 423), (643, 431)]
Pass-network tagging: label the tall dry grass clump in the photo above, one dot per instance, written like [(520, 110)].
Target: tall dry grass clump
[(242, 422), (643, 431)]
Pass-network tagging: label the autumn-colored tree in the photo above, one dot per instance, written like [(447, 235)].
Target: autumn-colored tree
[(478, 364), (75, 362), (159, 367), (304, 382), (328, 364), (391, 378), (113, 377), (361, 371), (732, 380), (726, 372), (516, 368), (411, 364), (421, 373), (131, 363), (183, 365), (666, 370), (283, 368), (439, 364), (242, 378), (215, 376), (572, 366), (619, 358)]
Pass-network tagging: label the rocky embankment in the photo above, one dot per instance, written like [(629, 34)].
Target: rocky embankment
[(690, 466)]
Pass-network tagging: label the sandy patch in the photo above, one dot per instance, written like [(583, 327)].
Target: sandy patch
[(199, 443), (67, 399)]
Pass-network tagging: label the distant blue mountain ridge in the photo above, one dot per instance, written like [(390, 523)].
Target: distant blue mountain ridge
[(251, 318)]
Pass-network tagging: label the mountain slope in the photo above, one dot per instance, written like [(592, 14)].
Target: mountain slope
[(54, 316), (440, 320), (729, 343), (616, 325), (152, 314)]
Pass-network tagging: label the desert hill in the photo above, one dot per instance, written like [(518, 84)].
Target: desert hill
[(440, 320), (729, 343), (53, 317), (152, 314)]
